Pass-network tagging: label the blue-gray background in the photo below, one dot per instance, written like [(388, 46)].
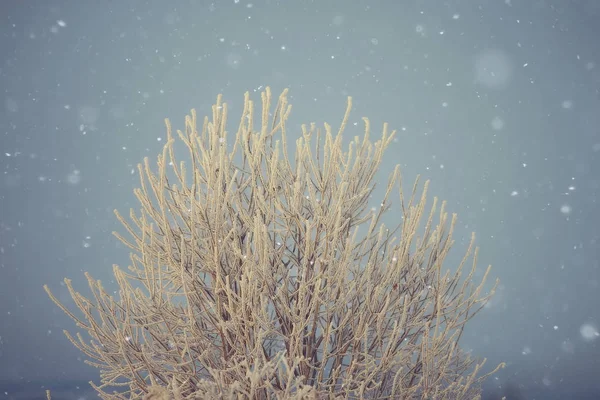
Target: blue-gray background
[(497, 102)]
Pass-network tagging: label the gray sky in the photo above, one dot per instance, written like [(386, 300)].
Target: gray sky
[(497, 102)]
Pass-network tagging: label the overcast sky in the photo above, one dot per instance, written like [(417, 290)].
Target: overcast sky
[(496, 102)]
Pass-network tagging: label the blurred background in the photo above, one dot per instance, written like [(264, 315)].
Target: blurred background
[(497, 102)]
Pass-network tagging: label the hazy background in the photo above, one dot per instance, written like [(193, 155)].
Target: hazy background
[(497, 102)]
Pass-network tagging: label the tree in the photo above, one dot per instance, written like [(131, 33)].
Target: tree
[(261, 274)]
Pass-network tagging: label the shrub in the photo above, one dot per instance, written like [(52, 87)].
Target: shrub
[(256, 273)]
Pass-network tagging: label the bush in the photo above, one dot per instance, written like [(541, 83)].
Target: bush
[(260, 274)]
